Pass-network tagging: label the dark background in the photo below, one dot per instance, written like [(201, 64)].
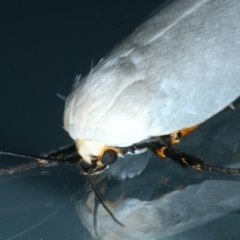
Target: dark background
[(44, 45)]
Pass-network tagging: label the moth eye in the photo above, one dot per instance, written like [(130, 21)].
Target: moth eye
[(109, 157)]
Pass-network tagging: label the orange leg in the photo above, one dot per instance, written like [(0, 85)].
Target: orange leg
[(188, 161), (175, 137)]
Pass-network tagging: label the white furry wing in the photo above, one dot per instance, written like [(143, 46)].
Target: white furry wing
[(176, 70)]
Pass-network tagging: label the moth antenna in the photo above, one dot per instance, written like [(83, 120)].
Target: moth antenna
[(61, 96), (29, 156), (76, 81), (100, 199)]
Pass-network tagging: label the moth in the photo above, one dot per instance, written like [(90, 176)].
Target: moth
[(175, 71)]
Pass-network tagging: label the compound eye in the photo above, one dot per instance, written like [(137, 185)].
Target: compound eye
[(109, 157)]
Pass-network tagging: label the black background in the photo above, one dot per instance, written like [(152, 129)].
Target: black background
[(44, 45)]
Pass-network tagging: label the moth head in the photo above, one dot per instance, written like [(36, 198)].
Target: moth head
[(95, 153)]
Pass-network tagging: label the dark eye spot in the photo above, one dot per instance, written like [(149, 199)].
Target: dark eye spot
[(109, 157)]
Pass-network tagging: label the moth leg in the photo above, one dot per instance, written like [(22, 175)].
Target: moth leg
[(188, 161), (65, 155), (62, 153), (175, 137), (183, 159)]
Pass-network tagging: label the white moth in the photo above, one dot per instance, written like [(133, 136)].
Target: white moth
[(175, 71)]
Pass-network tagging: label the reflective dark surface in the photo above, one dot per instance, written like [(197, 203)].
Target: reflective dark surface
[(165, 201), (153, 198), (44, 46)]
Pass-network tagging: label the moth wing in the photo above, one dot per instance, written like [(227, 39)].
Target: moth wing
[(176, 70)]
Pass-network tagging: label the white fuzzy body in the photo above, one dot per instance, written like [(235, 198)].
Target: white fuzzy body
[(176, 70), (87, 149)]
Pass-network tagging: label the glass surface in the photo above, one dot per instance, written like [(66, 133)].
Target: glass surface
[(44, 46), (153, 198)]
